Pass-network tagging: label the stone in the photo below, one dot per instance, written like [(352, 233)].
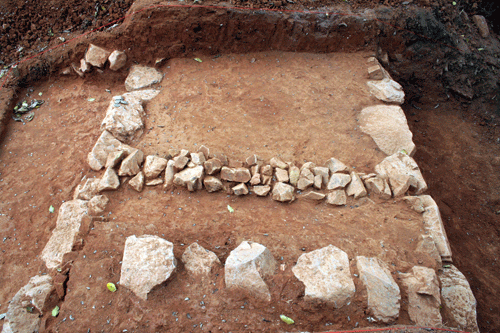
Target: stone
[(191, 178), (254, 169), (180, 162), (238, 175), (433, 224), (124, 118), (117, 59), (253, 160), (205, 151), (212, 184), (262, 190), (428, 254), (388, 127), (96, 56), (69, 219), (106, 143), (142, 95), (334, 165), (278, 163), (240, 189), (137, 182), (387, 90), (266, 180), (154, 182), (338, 180), (153, 166), (197, 158), (379, 186), (109, 180), (169, 174), (326, 275), (221, 157), (304, 183), (482, 25), (402, 173), (318, 181), (235, 164), (356, 187), (336, 198), (424, 298), (323, 172), (131, 165), (281, 175), (34, 294), (97, 205), (266, 170), (375, 72), (246, 267), (88, 190), (458, 300), (198, 260), (294, 175), (172, 152), (141, 77), (307, 165), (147, 262), (314, 196), (383, 293), (184, 152), (212, 166), (283, 192), (84, 66), (115, 158), (255, 179)]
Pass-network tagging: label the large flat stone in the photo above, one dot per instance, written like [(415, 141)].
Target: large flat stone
[(96, 56), (338, 181), (147, 262), (191, 178), (124, 119), (106, 143), (131, 165), (153, 166), (141, 77), (198, 260), (283, 192), (387, 90)]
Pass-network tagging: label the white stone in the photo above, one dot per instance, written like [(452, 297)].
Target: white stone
[(106, 143), (336, 198), (169, 174), (240, 189), (115, 158), (109, 180), (88, 190), (388, 127), (276, 162), (142, 95), (312, 195), (141, 77), (335, 165), (137, 182), (402, 173), (379, 186), (323, 172), (131, 165), (387, 90), (191, 178), (283, 192), (153, 166), (154, 182), (294, 175), (198, 158), (69, 220), (97, 205), (247, 266), (117, 59), (383, 293), (262, 190), (281, 175), (124, 121), (147, 262), (212, 184), (326, 275), (96, 56), (356, 187), (458, 300), (337, 181), (198, 260)]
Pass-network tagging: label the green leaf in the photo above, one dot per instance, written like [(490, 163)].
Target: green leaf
[(40, 93), (480, 49), (29, 309), (55, 311), (91, 99), (454, 3), (111, 286), (198, 59), (287, 320), (51, 209), (230, 209), (446, 266)]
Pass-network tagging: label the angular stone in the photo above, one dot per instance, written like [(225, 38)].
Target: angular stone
[(221, 157), (147, 262), (315, 196), (266, 180), (169, 174), (154, 182), (96, 56), (276, 162), (307, 165), (375, 72), (109, 180), (198, 158), (117, 59), (428, 254), (97, 205), (253, 160), (326, 275), (141, 77), (387, 90), (255, 179), (281, 175), (424, 298), (318, 181), (84, 66), (198, 260), (88, 190), (142, 95), (338, 180), (246, 267), (294, 175), (106, 144), (283, 192), (323, 172), (35, 294), (482, 25), (336, 198), (184, 152), (334, 165), (459, 301), (254, 169), (240, 189), (172, 152), (124, 118), (356, 187), (115, 158), (266, 170), (304, 183), (212, 184), (69, 220), (180, 162), (262, 190), (191, 178), (383, 293), (403, 173), (153, 166), (379, 186), (238, 175), (388, 127), (205, 151), (212, 166), (131, 165), (137, 182), (235, 164)]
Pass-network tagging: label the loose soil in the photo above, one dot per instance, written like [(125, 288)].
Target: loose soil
[(43, 161)]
